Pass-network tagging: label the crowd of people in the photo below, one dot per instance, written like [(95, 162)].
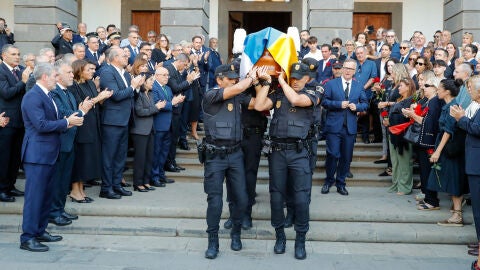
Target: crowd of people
[(418, 99)]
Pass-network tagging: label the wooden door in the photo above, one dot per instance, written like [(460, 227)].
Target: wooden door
[(146, 21), (360, 20)]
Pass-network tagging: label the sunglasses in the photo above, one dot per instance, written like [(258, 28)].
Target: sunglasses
[(404, 48), (436, 36), (412, 59), (420, 63), (428, 85)]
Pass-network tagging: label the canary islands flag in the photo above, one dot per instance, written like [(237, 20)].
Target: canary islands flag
[(280, 46)]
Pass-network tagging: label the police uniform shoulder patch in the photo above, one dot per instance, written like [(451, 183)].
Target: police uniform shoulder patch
[(311, 92), (230, 107), (278, 104), (319, 89)]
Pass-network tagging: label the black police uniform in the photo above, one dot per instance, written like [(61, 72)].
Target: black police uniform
[(254, 125), (224, 158), (290, 159)]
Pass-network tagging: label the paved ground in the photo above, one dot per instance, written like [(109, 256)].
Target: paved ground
[(140, 252)]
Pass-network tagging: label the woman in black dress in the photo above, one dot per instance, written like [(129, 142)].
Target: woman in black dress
[(88, 155)]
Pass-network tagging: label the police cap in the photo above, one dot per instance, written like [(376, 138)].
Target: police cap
[(226, 71)]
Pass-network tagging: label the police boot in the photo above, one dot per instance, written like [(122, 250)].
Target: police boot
[(300, 253), (281, 241), (289, 218), (236, 244), (212, 250)]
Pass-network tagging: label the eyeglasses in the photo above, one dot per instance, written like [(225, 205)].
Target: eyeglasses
[(420, 63), (404, 48), (347, 68), (390, 36), (412, 59), (436, 36), (348, 44), (468, 33), (428, 85)]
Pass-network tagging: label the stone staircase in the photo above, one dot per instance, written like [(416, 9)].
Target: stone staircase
[(369, 214)]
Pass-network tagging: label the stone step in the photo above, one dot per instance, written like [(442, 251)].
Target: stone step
[(319, 231), (188, 200)]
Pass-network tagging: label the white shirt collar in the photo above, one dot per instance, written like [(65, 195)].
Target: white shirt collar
[(8, 66), (45, 90)]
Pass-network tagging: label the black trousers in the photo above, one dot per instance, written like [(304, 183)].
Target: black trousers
[(61, 182), (114, 156), (290, 168), (176, 131), (431, 197), (10, 156), (474, 184), (143, 158), (231, 168)]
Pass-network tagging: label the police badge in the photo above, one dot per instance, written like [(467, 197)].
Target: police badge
[(230, 107), (279, 103)]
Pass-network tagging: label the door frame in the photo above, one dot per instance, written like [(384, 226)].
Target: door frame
[(396, 9), (225, 6)]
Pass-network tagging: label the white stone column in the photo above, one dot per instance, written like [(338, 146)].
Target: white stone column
[(35, 22)]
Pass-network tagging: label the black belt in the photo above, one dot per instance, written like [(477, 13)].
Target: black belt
[(276, 146), (221, 150)]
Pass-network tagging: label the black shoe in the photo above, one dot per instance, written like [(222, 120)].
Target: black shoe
[(349, 174), (325, 188), (109, 195), (125, 184), (280, 242), (69, 216), (60, 221), (79, 201), (380, 161), (16, 193), (178, 167), (171, 168), (236, 244), (135, 188), (342, 190), (167, 181), (300, 252), (228, 224), (184, 146), (212, 251), (247, 223), (122, 191), (47, 237), (156, 183), (149, 188), (88, 199), (33, 245), (4, 197), (94, 183)]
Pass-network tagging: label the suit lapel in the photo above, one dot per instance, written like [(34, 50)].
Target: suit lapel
[(48, 101)]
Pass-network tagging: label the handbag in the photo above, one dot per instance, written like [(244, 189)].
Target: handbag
[(412, 134)]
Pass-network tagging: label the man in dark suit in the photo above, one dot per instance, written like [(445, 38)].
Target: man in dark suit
[(405, 49), (147, 50), (469, 120), (40, 150), (343, 98), (6, 36), (12, 90), (161, 123), (178, 86), (92, 53), (116, 114), (66, 105), (133, 38), (214, 61), (324, 70), (380, 62), (63, 41), (81, 37)]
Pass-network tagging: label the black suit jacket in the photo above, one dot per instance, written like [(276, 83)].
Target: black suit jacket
[(11, 94), (177, 83)]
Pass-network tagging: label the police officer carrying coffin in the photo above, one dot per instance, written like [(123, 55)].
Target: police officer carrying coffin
[(312, 84), (221, 150), (289, 159)]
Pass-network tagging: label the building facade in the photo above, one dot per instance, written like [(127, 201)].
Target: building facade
[(33, 21)]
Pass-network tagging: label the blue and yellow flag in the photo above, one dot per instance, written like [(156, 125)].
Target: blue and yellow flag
[(280, 46)]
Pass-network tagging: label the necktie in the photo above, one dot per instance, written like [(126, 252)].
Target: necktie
[(135, 51), (151, 65), (14, 73), (50, 95), (347, 90), (401, 59), (95, 55), (68, 98)]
